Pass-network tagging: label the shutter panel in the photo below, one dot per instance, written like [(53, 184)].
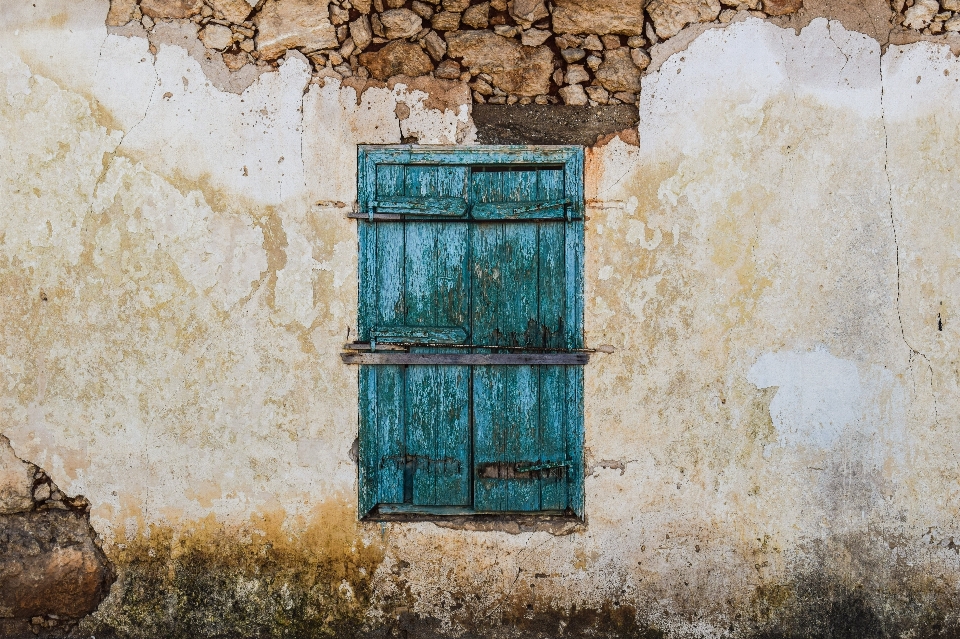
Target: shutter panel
[(519, 296), (417, 446)]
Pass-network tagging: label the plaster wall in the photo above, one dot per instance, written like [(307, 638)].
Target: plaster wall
[(771, 447)]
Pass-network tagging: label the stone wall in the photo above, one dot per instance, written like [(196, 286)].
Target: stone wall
[(509, 51), (52, 569)]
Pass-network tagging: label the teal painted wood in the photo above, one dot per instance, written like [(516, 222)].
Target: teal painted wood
[(540, 210), (441, 206), (438, 435), (419, 335), (514, 278)]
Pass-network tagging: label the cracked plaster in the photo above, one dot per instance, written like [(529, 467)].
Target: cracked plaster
[(179, 277)]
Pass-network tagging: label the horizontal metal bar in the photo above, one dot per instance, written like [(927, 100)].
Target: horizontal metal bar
[(466, 359)]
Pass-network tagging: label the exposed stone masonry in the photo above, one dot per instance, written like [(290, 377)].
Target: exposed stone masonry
[(575, 52), (52, 569), (928, 16)]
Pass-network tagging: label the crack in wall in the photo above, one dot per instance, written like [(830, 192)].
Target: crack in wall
[(896, 243)]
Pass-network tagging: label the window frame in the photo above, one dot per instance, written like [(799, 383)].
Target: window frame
[(571, 158)]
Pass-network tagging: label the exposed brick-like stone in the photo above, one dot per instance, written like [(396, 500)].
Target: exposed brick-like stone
[(624, 17), (294, 24), (397, 58), (515, 69), (171, 8), (618, 72), (233, 10), (670, 16), (50, 565), (782, 7)]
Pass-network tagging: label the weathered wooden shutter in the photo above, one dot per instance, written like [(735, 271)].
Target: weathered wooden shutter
[(480, 259)]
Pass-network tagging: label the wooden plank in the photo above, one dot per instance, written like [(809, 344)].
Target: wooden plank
[(543, 210), (438, 434), (382, 426), (522, 441), (466, 359), (574, 436), (440, 206), (489, 396), (420, 334), (551, 435)]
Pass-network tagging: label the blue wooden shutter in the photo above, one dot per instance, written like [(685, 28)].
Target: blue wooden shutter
[(463, 247), (526, 444), (415, 419)]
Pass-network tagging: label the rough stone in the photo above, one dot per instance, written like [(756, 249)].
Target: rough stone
[(640, 58), (233, 10), (514, 68), (16, 480), (950, 5), (953, 24), (458, 6), (446, 21), (597, 94), (448, 70), (435, 46), (568, 41), (572, 55), (395, 4), (216, 36), (624, 17), (921, 14), (422, 9), (121, 12), (171, 8), (51, 565), (592, 43), (594, 62), (576, 74), (535, 37), (294, 24), (400, 23), (361, 33), (573, 95), (339, 15), (397, 58), (477, 16), (781, 7), (670, 16), (526, 12), (506, 30), (618, 72)]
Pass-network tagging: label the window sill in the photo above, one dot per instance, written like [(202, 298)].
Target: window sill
[(461, 518)]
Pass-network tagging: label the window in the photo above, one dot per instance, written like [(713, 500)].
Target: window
[(470, 336)]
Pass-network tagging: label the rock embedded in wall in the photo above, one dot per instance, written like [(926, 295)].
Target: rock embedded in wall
[(171, 8), (397, 58), (53, 570), (293, 24), (623, 17), (670, 16), (512, 67)]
